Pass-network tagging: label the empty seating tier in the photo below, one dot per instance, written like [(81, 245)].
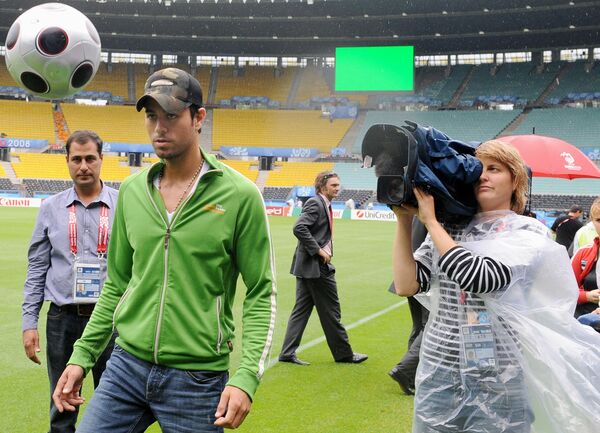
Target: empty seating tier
[(254, 81), (296, 173), (28, 120), (53, 166), (277, 128), (113, 123), (578, 126), (478, 125)]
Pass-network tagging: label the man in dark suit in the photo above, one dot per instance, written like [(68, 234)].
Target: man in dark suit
[(315, 276), (406, 370)]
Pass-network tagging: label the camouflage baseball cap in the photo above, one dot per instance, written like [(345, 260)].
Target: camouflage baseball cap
[(173, 89)]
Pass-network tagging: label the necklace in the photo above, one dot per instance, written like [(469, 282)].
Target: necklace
[(184, 193)]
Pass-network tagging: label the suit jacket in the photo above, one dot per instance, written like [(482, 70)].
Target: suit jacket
[(313, 232)]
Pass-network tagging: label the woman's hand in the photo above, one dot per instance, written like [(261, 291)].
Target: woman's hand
[(426, 210)]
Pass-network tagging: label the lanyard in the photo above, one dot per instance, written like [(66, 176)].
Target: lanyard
[(102, 230)]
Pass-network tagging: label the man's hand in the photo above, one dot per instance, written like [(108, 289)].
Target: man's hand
[(326, 257), (66, 394), (31, 343), (593, 295), (233, 408)]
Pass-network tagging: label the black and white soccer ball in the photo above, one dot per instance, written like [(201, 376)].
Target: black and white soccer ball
[(52, 50)]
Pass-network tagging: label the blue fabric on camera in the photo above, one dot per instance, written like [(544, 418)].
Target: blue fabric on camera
[(446, 167)]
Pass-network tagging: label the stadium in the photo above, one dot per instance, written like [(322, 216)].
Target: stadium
[(481, 70)]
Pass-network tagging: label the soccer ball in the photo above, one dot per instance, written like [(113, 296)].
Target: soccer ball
[(52, 50)]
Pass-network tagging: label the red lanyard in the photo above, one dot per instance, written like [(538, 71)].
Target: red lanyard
[(102, 230)]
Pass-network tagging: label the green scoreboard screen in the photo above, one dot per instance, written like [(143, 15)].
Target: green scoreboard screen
[(374, 69)]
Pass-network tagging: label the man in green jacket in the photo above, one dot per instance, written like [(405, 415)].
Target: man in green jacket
[(183, 232)]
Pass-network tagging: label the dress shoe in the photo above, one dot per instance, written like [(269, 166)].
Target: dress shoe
[(406, 385), (293, 359), (355, 358)]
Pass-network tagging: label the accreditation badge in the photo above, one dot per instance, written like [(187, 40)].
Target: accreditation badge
[(477, 341), (87, 282)]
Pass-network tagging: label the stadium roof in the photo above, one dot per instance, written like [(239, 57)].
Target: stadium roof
[(316, 27)]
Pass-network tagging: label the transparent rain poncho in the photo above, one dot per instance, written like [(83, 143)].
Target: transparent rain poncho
[(514, 360)]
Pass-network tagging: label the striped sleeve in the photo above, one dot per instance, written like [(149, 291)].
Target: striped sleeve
[(424, 260), (474, 273), (423, 275)]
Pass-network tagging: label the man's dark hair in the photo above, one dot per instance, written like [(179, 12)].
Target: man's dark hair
[(194, 110), (82, 137)]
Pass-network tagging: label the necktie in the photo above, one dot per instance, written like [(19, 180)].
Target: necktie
[(331, 220), (331, 227)]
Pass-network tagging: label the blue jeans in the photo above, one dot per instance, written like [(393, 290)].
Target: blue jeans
[(133, 394), (448, 402), (63, 328), (591, 319)]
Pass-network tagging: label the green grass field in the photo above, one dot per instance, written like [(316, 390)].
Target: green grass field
[(323, 398)]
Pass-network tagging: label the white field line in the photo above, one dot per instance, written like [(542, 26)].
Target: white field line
[(359, 322)]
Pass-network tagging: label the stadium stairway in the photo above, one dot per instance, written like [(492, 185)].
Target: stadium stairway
[(553, 84), (12, 176), (206, 140), (61, 129), (461, 89), (261, 180), (514, 124), (351, 135), (10, 173), (212, 87), (294, 88)]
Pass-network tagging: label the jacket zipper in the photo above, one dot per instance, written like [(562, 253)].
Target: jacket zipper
[(219, 330), (162, 293), (166, 265)]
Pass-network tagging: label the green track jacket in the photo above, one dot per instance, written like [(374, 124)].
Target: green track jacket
[(170, 287)]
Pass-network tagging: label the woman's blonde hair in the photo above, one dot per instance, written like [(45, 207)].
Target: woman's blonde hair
[(595, 209), (510, 157)]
